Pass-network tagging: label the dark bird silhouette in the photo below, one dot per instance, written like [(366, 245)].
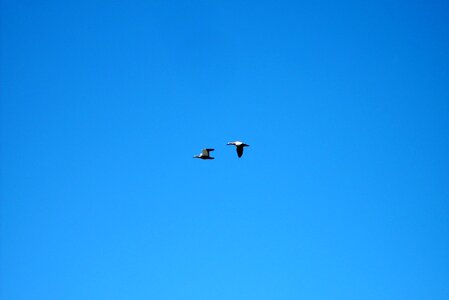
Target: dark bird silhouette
[(239, 147)]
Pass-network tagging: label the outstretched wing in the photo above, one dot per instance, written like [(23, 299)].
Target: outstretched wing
[(206, 151), (239, 151)]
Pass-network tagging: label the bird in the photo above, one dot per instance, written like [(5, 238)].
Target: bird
[(239, 147), (205, 154)]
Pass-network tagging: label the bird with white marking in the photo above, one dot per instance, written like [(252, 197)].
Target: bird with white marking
[(239, 147), (205, 154)]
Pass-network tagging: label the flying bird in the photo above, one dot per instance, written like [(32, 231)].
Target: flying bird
[(239, 147), (205, 154)]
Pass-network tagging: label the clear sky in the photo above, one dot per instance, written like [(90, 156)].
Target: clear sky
[(343, 193)]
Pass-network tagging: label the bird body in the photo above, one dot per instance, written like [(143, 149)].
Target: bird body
[(239, 147), (205, 154)]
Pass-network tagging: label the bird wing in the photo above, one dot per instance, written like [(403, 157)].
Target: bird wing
[(206, 151), (239, 151)]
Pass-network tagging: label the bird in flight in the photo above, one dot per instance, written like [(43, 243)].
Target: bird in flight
[(239, 147), (205, 154)]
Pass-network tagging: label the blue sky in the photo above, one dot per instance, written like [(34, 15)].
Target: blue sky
[(343, 193)]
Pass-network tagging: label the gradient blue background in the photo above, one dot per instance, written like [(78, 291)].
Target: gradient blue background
[(343, 194)]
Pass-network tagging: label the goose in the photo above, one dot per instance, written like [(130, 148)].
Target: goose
[(239, 147), (205, 154)]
